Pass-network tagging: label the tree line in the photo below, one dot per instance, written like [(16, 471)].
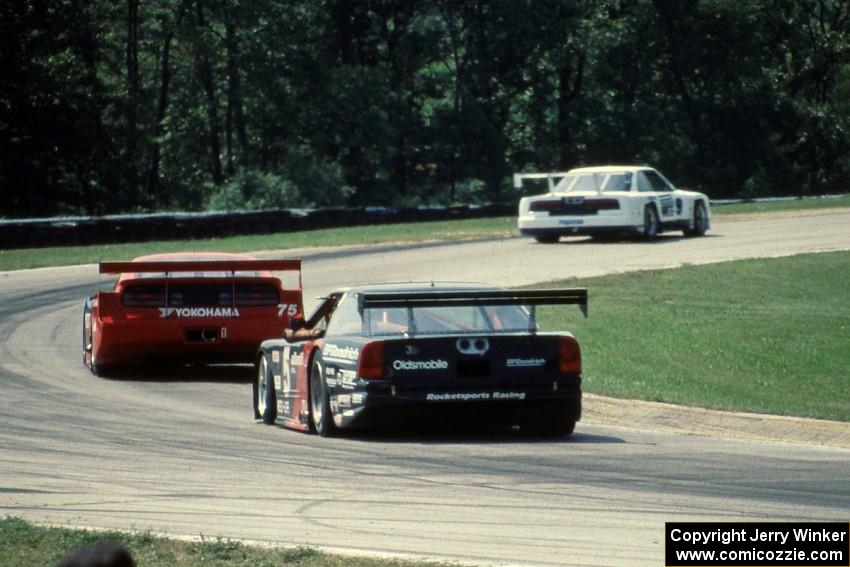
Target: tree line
[(153, 105)]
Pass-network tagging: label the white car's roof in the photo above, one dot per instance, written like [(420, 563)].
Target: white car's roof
[(609, 168)]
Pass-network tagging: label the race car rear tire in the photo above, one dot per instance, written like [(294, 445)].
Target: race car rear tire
[(320, 408), (557, 422), (265, 400), (547, 238), (563, 426), (105, 370), (700, 221), (650, 222), (88, 346)]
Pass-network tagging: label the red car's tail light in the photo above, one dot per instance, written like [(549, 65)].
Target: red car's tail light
[(570, 355), (144, 296), (371, 362)]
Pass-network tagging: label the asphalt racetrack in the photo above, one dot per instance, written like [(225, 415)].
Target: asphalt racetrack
[(183, 455)]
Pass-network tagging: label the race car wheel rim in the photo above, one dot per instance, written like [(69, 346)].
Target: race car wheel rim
[(261, 387), (317, 395)]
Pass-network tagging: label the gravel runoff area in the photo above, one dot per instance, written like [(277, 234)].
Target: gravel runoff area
[(600, 410)]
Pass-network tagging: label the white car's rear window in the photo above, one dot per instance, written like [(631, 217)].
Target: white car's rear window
[(603, 182)]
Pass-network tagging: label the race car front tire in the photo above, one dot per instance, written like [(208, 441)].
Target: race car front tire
[(700, 221)]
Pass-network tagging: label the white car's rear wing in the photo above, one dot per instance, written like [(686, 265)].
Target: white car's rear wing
[(550, 177)]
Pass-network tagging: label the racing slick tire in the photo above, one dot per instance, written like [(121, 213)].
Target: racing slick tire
[(547, 238), (88, 346), (556, 422), (320, 407), (700, 221), (100, 370), (265, 400), (650, 222), (105, 370)]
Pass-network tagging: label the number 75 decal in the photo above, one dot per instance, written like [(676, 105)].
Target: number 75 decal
[(289, 309)]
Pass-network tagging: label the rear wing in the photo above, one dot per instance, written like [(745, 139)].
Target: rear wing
[(199, 266), (577, 296), (412, 300), (549, 177), (164, 266)]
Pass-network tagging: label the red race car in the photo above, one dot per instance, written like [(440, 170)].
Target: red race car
[(191, 308)]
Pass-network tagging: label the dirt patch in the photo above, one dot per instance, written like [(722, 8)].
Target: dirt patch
[(700, 421)]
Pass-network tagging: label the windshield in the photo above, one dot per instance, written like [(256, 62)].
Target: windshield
[(603, 182), (445, 320)]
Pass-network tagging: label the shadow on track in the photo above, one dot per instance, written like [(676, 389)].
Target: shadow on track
[(224, 373), (622, 240), (464, 434)]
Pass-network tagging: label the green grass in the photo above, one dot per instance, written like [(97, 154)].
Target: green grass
[(767, 336), (25, 544), (376, 234)]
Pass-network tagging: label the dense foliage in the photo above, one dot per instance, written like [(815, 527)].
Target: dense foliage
[(189, 104)]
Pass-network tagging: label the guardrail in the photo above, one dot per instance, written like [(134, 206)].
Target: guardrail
[(715, 202), (115, 229)]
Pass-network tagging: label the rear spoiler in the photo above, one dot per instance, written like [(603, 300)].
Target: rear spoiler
[(532, 298), (292, 265), (576, 296), (550, 177), (232, 266)]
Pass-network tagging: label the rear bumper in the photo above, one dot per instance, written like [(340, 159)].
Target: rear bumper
[(382, 405), (542, 224), (209, 340)]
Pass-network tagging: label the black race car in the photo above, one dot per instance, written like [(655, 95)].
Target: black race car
[(371, 355)]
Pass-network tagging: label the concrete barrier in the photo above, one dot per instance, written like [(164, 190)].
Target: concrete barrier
[(115, 229)]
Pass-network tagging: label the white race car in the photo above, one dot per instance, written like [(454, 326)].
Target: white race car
[(610, 199)]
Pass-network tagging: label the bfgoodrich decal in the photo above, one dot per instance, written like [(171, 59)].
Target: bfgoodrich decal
[(338, 352), (525, 362)]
